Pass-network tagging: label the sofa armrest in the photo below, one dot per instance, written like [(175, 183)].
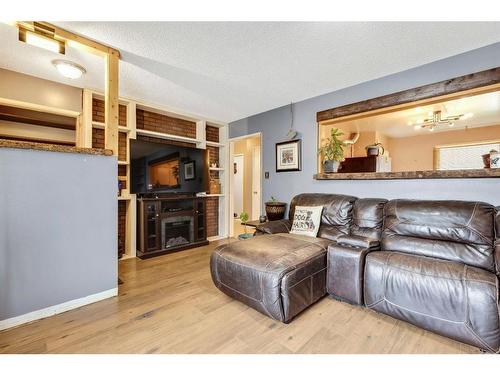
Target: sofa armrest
[(345, 270), (271, 227), (359, 242)]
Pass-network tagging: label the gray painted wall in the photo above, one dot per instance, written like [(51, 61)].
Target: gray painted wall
[(275, 123), (58, 225)]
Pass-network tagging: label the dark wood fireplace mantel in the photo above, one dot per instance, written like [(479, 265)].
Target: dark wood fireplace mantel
[(170, 222)]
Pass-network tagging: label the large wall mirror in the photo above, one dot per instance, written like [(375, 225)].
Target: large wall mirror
[(448, 137)]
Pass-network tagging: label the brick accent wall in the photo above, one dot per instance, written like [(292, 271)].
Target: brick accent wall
[(98, 142), (122, 172), (212, 133), (165, 124), (212, 216), (122, 219), (213, 154), (98, 112), (97, 138), (122, 146)]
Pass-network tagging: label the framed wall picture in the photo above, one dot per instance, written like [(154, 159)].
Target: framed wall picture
[(288, 156), (190, 170)]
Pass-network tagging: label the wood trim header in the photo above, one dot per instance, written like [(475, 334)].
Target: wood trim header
[(88, 44), (487, 79)]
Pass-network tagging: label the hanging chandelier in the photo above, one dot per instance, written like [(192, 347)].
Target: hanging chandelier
[(436, 119)]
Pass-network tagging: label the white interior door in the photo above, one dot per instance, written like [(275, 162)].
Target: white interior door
[(239, 164), (256, 175)]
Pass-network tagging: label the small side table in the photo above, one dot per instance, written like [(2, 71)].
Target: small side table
[(253, 223)]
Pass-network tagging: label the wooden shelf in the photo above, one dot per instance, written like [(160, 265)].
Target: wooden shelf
[(215, 195), (122, 162), (167, 136), (215, 144), (416, 175), (124, 198), (102, 125), (215, 169)]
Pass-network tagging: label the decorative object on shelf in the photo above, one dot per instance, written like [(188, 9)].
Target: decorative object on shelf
[(288, 156), (291, 133), (351, 141), (214, 186), (486, 160), (244, 219), (214, 165), (262, 218), (332, 151), (375, 149), (494, 159), (190, 170), (120, 187), (275, 210), (435, 119)]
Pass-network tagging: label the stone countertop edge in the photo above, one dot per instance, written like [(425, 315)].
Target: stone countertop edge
[(5, 143)]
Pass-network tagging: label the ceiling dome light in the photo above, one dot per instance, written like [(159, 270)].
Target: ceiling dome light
[(69, 69)]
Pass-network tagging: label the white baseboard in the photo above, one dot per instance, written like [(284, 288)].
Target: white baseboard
[(56, 309)]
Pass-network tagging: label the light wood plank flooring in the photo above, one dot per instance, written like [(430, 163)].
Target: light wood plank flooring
[(169, 305)]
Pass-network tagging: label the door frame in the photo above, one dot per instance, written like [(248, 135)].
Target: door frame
[(232, 181), (231, 163)]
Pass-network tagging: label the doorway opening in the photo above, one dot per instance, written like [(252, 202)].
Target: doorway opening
[(245, 181)]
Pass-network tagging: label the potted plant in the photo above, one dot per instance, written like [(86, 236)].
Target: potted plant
[(375, 149), (332, 151), (244, 219), (275, 210)]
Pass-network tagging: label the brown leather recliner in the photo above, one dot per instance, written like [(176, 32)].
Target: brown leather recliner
[(346, 257), (436, 269), (282, 274), (434, 264)]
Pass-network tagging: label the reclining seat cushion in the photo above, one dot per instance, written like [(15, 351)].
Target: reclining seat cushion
[(451, 230), (368, 218), (336, 216), (278, 275), (445, 297)]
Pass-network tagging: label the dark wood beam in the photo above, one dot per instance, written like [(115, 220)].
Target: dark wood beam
[(451, 86)]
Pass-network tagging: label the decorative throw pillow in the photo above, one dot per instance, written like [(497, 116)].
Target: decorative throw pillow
[(306, 220)]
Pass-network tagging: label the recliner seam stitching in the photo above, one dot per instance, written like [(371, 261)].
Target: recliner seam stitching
[(304, 278)]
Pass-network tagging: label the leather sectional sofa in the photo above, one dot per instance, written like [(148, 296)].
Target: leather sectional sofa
[(435, 264)]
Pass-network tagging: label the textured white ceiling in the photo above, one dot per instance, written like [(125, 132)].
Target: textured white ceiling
[(230, 70)]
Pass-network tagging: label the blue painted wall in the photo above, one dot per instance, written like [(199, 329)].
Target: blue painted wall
[(274, 125), (57, 228)]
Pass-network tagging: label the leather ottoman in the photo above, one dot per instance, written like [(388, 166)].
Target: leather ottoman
[(278, 275)]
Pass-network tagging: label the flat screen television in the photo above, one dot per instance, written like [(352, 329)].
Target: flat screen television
[(157, 167)]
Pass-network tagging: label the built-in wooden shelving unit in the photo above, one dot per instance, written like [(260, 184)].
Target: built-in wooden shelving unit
[(87, 135)]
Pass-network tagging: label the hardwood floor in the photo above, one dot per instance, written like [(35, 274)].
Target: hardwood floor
[(169, 305)]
